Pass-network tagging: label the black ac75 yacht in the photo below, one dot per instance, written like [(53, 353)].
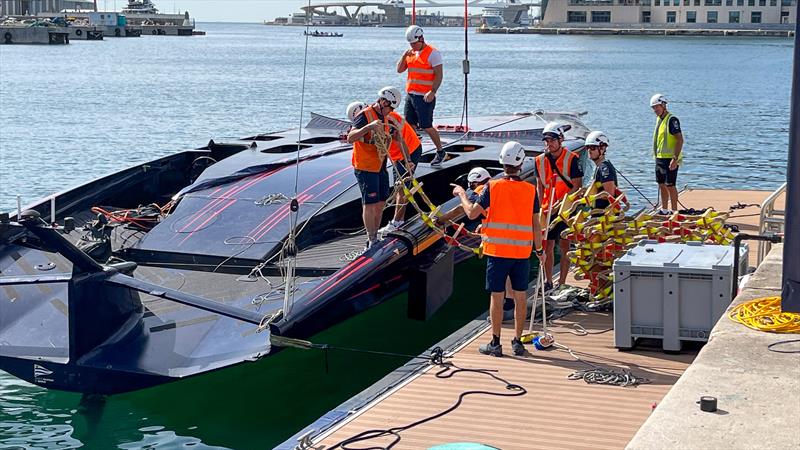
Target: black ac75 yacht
[(177, 267)]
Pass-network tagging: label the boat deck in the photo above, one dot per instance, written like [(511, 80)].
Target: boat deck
[(556, 412)]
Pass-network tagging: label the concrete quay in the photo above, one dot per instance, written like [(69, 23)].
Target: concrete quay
[(33, 35), (166, 30), (758, 391), (640, 31)]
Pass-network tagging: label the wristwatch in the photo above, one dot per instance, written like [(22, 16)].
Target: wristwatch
[(539, 251)]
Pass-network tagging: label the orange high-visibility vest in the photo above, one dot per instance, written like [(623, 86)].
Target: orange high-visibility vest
[(508, 230), (546, 176), (365, 153), (407, 132), (420, 71)]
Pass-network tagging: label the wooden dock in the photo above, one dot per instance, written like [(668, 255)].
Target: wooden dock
[(556, 412)]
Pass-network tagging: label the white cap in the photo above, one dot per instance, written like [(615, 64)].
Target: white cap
[(413, 34), (658, 99), (512, 154), (353, 109), (477, 175), (596, 138), (392, 94)]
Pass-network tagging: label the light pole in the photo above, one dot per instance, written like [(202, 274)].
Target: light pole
[(790, 295)]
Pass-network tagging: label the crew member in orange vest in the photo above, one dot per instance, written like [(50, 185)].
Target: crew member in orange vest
[(512, 230), (558, 173), (369, 166), (405, 152), (424, 65), (477, 179)]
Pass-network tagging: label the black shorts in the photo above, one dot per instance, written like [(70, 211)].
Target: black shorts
[(498, 269), (374, 186), (418, 112), (663, 174), (554, 234)]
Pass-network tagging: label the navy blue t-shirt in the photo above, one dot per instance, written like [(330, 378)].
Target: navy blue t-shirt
[(605, 172), (674, 125)]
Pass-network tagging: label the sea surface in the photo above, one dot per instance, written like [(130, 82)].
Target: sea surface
[(69, 114)]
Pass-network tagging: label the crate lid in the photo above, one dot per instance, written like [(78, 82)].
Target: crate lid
[(695, 255)]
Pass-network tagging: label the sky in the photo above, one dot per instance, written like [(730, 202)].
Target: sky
[(221, 10)]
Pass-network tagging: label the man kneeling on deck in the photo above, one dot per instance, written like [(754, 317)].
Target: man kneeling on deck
[(511, 229)]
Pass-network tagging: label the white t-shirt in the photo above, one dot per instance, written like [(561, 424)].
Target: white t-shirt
[(435, 59)]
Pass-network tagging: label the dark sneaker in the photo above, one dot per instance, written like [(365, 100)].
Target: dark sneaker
[(517, 347), (438, 159), (548, 287), (489, 349)]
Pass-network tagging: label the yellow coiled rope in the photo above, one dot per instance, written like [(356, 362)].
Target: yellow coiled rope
[(764, 314)]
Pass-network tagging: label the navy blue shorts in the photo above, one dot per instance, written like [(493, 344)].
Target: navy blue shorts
[(498, 269), (663, 174), (374, 186), (414, 156), (419, 112)]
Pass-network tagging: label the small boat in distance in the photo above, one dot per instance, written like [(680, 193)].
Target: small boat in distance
[(317, 33)]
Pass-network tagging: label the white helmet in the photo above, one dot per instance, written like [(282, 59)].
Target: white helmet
[(658, 99), (353, 109), (596, 138), (477, 175), (552, 129), (413, 34), (512, 154), (392, 94)]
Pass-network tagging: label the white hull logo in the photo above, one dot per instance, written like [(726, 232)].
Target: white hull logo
[(41, 374)]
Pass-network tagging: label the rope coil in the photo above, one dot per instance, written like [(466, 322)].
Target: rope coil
[(765, 314)]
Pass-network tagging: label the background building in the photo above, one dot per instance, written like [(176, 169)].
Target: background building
[(678, 13), (33, 7)]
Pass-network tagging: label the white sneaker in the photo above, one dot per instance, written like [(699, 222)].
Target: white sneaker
[(664, 212), (391, 226)]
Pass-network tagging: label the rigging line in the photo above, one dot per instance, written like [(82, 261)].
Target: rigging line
[(465, 68), (636, 188), (289, 246)]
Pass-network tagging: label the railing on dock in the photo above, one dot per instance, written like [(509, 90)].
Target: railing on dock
[(771, 220)]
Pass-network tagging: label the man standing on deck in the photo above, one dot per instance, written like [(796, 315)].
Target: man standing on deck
[(605, 175), (558, 173), (368, 164), (424, 65), (405, 152), (512, 229), (667, 150)]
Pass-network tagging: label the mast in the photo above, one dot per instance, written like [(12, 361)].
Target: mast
[(790, 298)]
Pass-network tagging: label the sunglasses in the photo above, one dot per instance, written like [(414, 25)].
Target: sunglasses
[(548, 139)]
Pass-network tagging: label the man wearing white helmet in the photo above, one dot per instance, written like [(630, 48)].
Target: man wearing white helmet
[(668, 152), (605, 174), (368, 164), (510, 233), (405, 152), (477, 179), (424, 65), (558, 173)]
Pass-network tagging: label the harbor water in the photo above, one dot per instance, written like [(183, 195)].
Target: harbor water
[(69, 114)]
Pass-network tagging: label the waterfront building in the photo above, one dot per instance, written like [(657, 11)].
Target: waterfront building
[(668, 13), (33, 7)]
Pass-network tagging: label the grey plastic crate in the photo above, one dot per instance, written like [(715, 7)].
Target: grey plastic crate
[(673, 292)]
